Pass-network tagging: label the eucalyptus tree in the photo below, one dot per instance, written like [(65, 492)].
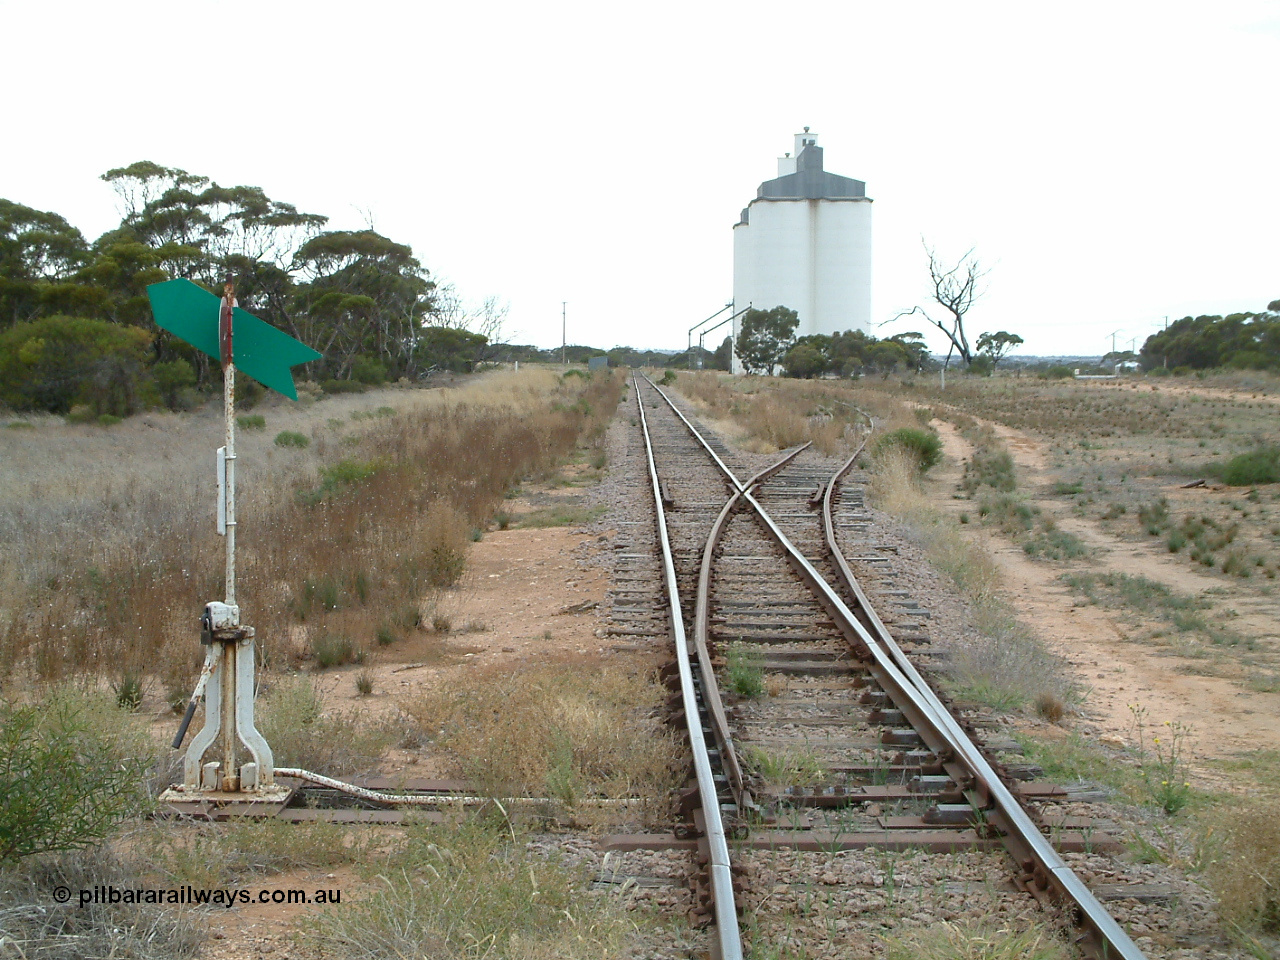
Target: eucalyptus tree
[(361, 293), (39, 252)]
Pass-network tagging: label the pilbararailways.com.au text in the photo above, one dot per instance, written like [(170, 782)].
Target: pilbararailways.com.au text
[(199, 897)]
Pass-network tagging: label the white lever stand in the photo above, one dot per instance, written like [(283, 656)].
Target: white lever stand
[(228, 720)]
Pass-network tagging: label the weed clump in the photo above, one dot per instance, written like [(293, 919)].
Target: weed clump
[(785, 768), (743, 672), (991, 464), (1050, 707), (335, 650), (1162, 766), (447, 535)]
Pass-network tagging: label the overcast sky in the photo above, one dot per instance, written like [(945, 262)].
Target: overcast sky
[(1112, 163)]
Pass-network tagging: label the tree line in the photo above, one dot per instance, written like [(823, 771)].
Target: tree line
[(76, 326), (1244, 341), (767, 341)]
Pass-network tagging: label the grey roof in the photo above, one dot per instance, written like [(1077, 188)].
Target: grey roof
[(810, 181)]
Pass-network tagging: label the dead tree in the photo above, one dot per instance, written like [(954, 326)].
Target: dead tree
[(955, 290)]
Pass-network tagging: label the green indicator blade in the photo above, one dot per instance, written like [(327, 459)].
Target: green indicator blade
[(191, 313), (266, 354), (187, 311)]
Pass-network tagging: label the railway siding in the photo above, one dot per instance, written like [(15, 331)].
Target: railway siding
[(837, 765)]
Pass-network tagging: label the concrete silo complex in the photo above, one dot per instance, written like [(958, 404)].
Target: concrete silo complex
[(804, 243)]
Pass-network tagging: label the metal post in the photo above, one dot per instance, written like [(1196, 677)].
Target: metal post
[(564, 340), (227, 678)]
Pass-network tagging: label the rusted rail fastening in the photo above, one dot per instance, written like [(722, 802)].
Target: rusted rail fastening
[(1044, 872), (728, 938)]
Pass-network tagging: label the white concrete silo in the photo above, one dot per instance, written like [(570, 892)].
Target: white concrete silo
[(804, 243)]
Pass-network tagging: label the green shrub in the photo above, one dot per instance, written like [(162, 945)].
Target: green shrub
[(249, 392), (1058, 372), (69, 773), (924, 445), (342, 386), (55, 362), (128, 691), (339, 476), (291, 438), (369, 370), (109, 419), (173, 377), (668, 378), (1259, 466), (251, 421)]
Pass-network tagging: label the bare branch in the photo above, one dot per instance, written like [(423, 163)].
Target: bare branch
[(955, 289)]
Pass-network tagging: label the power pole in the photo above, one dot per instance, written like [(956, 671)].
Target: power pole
[(564, 304)]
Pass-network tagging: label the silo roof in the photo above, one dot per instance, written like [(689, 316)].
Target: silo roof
[(811, 182)]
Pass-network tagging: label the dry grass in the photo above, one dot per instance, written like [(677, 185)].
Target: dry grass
[(469, 890), (218, 855), (561, 731), (303, 734), (1005, 665), (977, 940), (769, 414), (113, 552), (33, 925), (1245, 871)]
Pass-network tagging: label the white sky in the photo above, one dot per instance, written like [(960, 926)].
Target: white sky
[(1112, 162)]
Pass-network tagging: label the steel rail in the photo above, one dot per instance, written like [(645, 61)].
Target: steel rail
[(1043, 863), (701, 630), (1045, 870), (727, 933)]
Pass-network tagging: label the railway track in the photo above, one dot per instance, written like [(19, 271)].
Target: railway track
[(853, 751)]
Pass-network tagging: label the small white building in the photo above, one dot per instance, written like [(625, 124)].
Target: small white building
[(804, 243)]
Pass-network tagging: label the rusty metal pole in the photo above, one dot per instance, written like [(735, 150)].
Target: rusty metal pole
[(229, 408)]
